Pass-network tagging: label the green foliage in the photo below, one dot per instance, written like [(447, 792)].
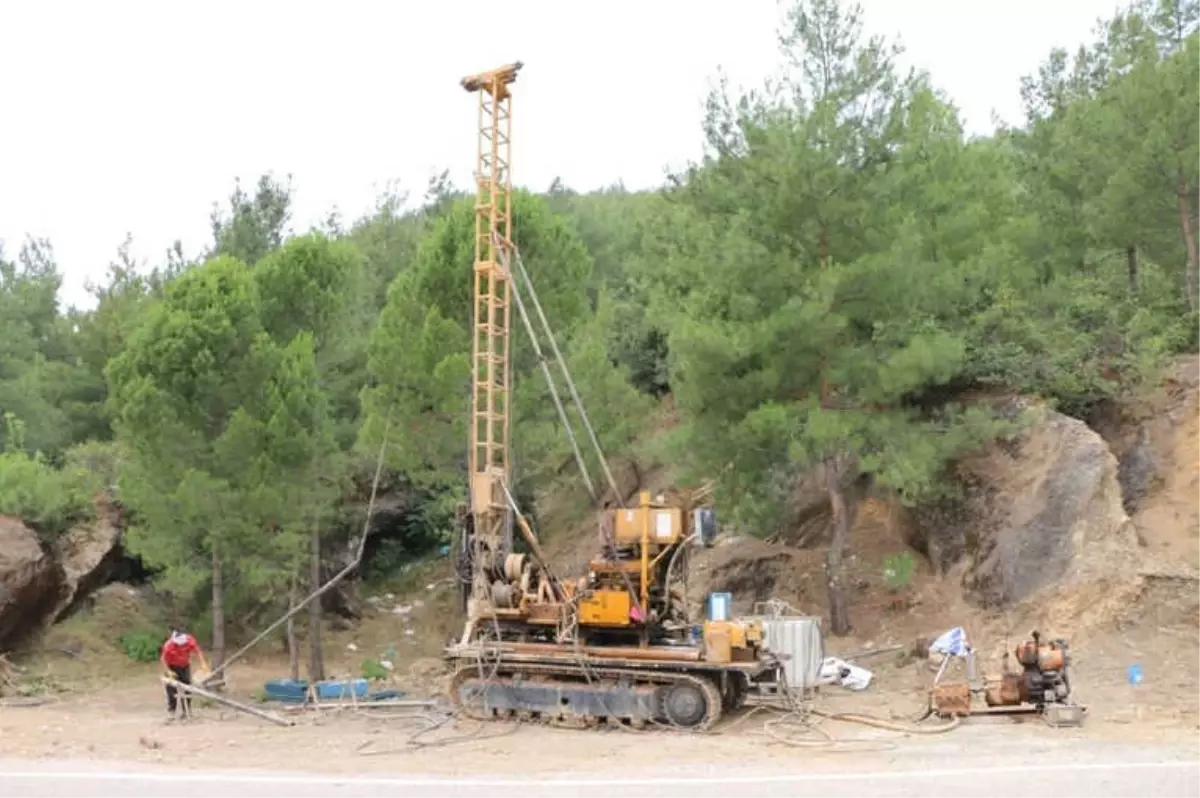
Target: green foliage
[(898, 569), (833, 279), (141, 645), (194, 395), (420, 351), (822, 288), (41, 381), (253, 225), (372, 669), (47, 498), (39, 494)]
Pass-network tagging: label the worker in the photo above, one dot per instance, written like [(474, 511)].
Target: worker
[(176, 659)]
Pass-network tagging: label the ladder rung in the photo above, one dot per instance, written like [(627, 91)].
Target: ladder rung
[(490, 269)]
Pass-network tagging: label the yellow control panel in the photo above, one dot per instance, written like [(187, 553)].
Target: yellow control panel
[(606, 608), (661, 525)]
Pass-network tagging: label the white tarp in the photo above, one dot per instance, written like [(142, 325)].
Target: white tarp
[(840, 672), (953, 642)]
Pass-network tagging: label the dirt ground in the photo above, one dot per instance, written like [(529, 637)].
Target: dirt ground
[(126, 722), (111, 717), (117, 713), (113, 711)]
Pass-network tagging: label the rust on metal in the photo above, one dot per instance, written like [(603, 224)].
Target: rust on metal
[(1005, 693), (952, 699)]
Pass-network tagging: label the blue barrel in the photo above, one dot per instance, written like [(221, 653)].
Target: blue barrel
[(720, 606), (286, 690), (342, 689)]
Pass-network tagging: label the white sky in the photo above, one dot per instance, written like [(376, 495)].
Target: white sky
[(127, 116)]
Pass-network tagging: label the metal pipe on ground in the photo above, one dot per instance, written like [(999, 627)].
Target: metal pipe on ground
[(225, 701), (398, 704), (648, 654)]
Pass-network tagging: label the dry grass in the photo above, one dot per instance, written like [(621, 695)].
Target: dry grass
[(84, 652)]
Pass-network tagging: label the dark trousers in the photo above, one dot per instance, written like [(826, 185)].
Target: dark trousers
[(183, 675)]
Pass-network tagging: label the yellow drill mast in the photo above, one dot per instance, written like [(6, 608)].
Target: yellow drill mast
[(491, 410)]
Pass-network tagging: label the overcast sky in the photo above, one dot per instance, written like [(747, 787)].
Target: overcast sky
[(135, 117)]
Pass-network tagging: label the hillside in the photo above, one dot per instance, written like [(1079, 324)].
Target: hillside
[(983, 347), (1154, 622)]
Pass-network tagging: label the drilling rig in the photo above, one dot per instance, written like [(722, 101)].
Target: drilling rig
[(616, 645)]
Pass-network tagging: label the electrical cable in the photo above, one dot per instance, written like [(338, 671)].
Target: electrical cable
[(334, 580), (562, 364), (558, 405)]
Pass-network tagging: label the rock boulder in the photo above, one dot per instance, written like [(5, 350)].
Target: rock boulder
[(89, 554), (1039, 511), (31, 583)]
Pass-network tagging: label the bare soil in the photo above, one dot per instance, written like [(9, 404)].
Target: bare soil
[(125, 722)]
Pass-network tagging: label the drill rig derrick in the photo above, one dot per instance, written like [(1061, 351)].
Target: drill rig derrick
[(616, 644), (487, 538)]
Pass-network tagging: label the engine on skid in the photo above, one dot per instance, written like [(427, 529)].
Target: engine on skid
[(637, 581), (1042, 679), (1041, 686)]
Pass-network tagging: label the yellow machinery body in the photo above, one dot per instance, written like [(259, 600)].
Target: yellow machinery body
[(622, 585), (732, 641), (606, 607)]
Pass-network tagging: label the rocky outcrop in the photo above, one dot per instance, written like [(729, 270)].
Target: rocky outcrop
[(89, 554), (39, 585), (31, 583), (1042, 510)]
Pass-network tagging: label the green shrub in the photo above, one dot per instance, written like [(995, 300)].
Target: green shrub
[(47, 498), (898, 569), (141, 645), (373, 670)]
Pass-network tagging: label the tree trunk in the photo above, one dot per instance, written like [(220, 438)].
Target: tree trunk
[(1189, 240), (293, 644), (839, 615), (218, 609), (1131, 256), (316, 657)]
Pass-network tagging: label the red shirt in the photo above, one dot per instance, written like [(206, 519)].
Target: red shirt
[(179, 656)]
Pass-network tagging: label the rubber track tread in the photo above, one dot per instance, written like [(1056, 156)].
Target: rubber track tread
[(712, 694)]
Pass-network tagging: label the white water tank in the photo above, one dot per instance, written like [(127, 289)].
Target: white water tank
[(798, 640)]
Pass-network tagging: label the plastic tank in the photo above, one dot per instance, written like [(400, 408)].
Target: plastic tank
[(720, 606), (704, 521)]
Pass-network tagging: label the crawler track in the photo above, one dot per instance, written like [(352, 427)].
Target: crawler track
[(574, 693)]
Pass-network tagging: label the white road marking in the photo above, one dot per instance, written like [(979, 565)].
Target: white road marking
[(325, 780)]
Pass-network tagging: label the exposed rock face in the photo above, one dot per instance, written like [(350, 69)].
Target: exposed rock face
[(1039, 511), (88, 554), (31, 582), (1154, 436), (39, 586), (1137, 468)]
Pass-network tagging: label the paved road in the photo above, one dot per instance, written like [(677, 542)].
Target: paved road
[(1094, 780)]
